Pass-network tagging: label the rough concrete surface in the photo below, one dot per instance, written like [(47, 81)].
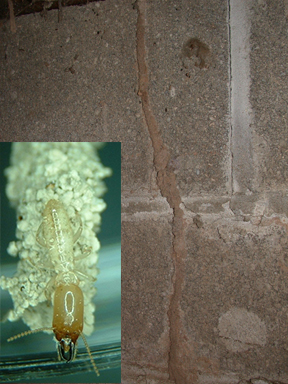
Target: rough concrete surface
[(197, 93)]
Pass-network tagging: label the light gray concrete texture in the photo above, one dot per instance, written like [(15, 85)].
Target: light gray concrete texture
[(191, 105), (196, 92), (269, 89), (146, 286), (234, 301)]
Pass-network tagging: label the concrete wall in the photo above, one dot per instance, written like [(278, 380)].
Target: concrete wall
[(197, 93)]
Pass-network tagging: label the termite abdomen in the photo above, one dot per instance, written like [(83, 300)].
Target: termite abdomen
[(68, 319)]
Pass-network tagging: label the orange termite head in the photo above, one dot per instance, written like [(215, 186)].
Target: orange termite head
[(68, 319), (67, 322), (71, 346)]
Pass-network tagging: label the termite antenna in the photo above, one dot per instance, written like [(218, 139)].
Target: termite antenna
[(90, 354), (22, 334)]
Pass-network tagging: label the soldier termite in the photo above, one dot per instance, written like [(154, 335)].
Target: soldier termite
[(56, 234)]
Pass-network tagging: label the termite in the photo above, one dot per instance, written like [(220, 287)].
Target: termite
[(56, 234)]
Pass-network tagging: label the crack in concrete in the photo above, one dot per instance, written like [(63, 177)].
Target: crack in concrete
[(166, 181)]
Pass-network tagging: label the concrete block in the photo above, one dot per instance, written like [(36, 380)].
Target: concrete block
[(268, 92), (146, 285), (190, 100), (234, 300)]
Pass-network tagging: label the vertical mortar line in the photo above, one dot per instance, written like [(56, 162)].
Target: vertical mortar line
[(230, 151), (166, 181), (241, 139)]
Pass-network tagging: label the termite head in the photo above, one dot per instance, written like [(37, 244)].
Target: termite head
[(68, 319), (67, 322)]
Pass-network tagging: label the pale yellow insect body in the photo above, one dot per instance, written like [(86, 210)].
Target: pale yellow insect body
[(56, 234), (58, 237)]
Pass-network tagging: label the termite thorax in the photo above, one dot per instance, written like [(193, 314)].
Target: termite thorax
[(68, 319)]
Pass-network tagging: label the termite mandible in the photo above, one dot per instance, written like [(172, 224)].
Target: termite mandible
[(56, 234)]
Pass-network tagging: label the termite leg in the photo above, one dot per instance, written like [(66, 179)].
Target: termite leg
[(29, 260), (39, 266), (77, 234), (85, 253), (39, 236), (49, 288), (84, 276)]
